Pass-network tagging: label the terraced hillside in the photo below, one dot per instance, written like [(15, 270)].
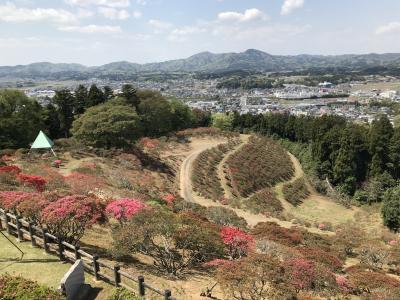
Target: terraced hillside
[(260, 164), (205, 178)]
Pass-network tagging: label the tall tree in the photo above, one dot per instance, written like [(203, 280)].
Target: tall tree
[(394, 148), (81, 97), (20, 119), (51, 121), (380, 135), (108, 93), (108, 125), (95, 96), (64, 102), (130, 94), (156, 113)]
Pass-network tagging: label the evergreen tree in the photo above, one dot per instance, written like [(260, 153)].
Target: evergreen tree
[(64, 102), (108, 93), (51, 121), (95, 96), (391, 208), (380, 135), (81, 97), (394, 155)]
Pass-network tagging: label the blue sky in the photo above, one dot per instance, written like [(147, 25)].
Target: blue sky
[(94, 32)]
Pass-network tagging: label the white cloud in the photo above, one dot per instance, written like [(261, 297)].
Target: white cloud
[(141, 2), (10, 13), (393, 27), (91, 29), (159, 26), (291, 5), (113, 13), (137, 14), (249, 15), (180, 34), (108, 3)]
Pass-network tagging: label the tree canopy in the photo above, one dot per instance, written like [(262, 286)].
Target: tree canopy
[(108, 125)]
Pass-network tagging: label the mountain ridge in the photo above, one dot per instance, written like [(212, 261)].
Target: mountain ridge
[(249, 60)]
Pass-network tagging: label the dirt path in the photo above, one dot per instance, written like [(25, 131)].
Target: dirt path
[(188, 194), (185, 180)]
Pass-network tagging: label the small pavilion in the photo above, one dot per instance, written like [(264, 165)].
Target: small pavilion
[(42, 141)]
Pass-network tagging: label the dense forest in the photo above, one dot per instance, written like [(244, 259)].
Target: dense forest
[(346, 153), (95, 116)]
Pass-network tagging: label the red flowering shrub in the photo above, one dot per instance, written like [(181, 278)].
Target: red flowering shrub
[(301, 272), (37, 182), (31, 208), (169, 198), (10, 169), (238, 243), (11, 200), (149, 143), (124, 209), (68, 217)]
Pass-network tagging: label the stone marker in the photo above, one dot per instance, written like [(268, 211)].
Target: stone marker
[(73, 282)]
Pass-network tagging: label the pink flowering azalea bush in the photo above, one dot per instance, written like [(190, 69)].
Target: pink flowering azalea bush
[(68, 217), (302, 273), (238, 243), (38, 182), (10, 200), (124, 209)]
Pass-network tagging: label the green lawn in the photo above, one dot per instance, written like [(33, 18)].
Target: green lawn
[(44, 268), (35, 264)]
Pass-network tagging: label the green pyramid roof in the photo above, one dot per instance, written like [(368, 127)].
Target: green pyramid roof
[(42, 141)]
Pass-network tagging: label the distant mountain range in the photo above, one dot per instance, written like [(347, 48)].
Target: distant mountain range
[(250, 60)]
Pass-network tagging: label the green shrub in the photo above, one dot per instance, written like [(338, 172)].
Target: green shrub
[(295, 192), (123, 294), (264, 203), (225, 217), (19, 288)]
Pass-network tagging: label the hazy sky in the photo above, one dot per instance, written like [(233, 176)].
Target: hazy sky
[(94, 32)]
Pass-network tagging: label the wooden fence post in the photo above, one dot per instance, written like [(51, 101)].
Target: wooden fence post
[(19, 232), (1, 221), (31, 234), (45, 244), (96, 267), (142, 288), (8, 225), (117, 275), (61, 250), (167, 294), (77, 254)]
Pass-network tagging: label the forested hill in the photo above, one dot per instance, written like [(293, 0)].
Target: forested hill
[(250, 60)]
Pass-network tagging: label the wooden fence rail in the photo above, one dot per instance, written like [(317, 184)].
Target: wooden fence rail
[(39, 237)]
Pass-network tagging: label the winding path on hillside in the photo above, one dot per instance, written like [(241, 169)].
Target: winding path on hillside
[(188, 194)]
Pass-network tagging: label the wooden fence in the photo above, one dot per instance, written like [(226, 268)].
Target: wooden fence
[(39, 237)]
